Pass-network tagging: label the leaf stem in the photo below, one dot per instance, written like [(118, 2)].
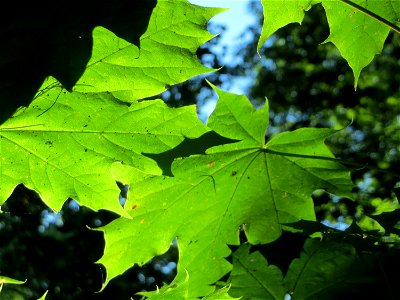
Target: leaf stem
[(338, 160), (372, 15)]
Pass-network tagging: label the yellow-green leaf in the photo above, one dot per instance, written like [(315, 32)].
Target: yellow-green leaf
[(167, 53), (64, 145), (249, 185)]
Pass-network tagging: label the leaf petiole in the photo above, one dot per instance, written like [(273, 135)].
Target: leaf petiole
[(372, 15)]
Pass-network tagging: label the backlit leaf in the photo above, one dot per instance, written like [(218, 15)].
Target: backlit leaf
[(221, 294), (167, 53), (249, 185), (8, 280), (68, 150), (43, 296), (177, 291), (278, 13), (357, 35)]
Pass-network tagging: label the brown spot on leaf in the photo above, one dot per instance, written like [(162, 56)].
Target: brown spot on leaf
[(211, 164)]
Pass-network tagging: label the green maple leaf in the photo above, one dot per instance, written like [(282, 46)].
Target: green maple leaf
[(8, 280), (278, 14), (253, 278), (180, 291), (357, 35), (55, 39), (64, 144), (249, 185), (177, 292), (321, 268), (69, 149), (167, 53), (43, 296), (221, 294)]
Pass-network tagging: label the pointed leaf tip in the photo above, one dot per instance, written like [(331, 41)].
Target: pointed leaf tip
[(356, 33), (167, 54), (235, 117), (244, 184), (278, 14), (103, 136)]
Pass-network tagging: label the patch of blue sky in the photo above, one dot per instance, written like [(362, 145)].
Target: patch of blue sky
[(236, 20), (340, 225)]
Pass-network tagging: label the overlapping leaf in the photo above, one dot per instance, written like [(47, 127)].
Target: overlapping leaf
[(43, 296), (64, 144), (167, 53), (357, 35), (322, 268), (54, 38), (8, 280), (278, 14), (180, 291), (221, 294), (177, 292), (249, 184), (67, 150), (253, 278)]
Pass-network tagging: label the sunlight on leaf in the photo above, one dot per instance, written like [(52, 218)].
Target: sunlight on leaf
[(358, 36), (68, 151), (249, 185), (220, 294), (278, 14), (44, 296), (8, 280), (176, 291), (167, 54)]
